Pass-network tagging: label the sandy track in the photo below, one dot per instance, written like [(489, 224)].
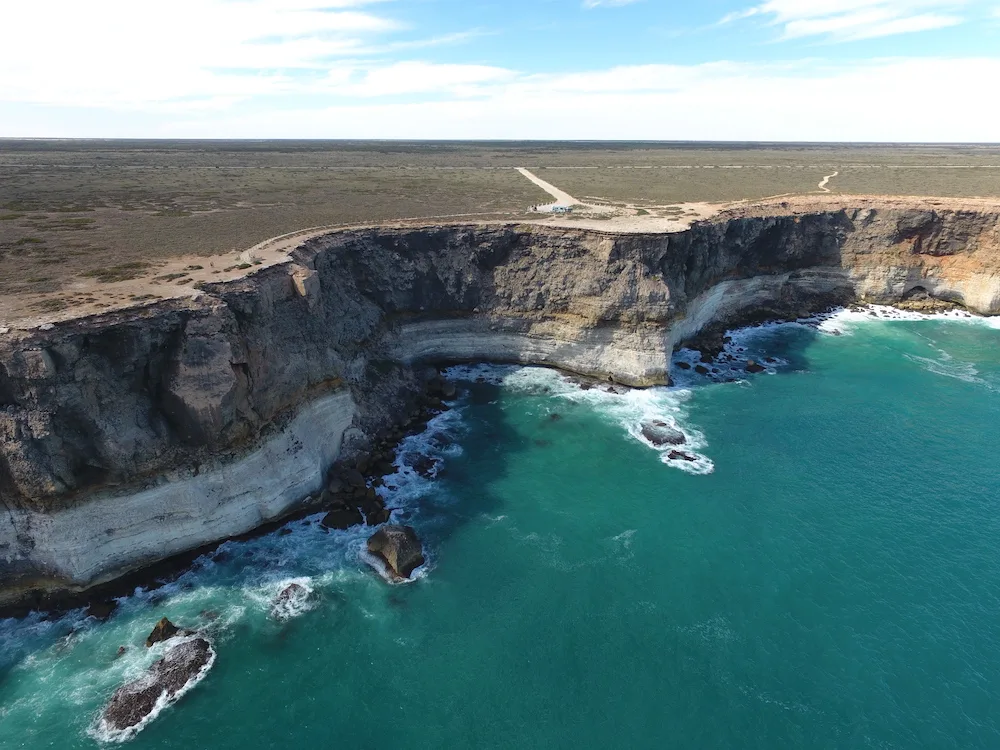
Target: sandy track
[(823, 185), (560, 196)]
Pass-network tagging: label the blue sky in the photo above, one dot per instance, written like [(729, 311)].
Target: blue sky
[(882, 70)]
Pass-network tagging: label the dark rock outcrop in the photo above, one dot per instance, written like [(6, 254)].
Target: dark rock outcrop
[(399, 548), (342, 518), (660, 433), (104, 408), (134, 703), (102, 610), (164, 631), (754, 367)]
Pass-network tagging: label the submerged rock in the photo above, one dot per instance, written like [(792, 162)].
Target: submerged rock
[(399, 548), (660, 433), (134, 703), (289, 602), (683, 365), (701, 369), (164, 631)]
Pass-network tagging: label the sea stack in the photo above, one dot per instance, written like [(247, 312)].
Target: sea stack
[(399, 548)]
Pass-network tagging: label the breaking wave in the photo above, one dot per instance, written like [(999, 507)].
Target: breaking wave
[(630, 408)]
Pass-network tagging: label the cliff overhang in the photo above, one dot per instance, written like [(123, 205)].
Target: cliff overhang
[(135, 435)]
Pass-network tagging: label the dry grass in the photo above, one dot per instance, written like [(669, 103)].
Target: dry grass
[(111, 211)]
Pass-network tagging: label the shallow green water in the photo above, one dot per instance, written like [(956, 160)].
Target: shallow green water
[(832, 582)]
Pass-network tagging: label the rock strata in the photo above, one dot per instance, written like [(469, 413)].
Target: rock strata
[(138, 435)]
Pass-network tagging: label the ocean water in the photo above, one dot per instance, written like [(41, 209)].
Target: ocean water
[(824, 574)]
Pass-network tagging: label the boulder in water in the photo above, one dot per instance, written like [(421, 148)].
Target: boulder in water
[(660, 433), (135, 703), (289, 602), (164, 631), (754, 367), (701, 369), (683, 365), (680, 456), (399, 548)]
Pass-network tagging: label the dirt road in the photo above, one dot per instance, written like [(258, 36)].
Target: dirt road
[(561, 197)]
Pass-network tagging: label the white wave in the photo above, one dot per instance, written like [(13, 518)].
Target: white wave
[(378, 565), (843, 318), (628, 407), (950, 368), (403, 489), (100, 730), (268, 597)]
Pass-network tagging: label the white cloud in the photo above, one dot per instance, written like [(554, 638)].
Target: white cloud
[(849, 20), (123, 52), (800, 100), (415, 77)]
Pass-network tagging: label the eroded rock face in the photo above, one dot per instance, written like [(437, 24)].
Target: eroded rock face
[(98, 411), (134, 703), (399, 548)]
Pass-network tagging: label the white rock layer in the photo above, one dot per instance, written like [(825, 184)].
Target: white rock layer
[(110, 534)]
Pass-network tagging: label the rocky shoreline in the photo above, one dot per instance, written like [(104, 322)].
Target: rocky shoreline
[(144, 438)]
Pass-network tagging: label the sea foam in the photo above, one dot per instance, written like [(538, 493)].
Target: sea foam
[(627, 407)]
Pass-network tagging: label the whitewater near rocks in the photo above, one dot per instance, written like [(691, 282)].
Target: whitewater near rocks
[(642, 547), (183, 398)]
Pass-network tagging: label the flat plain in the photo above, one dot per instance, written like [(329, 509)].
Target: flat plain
[(80, 217)]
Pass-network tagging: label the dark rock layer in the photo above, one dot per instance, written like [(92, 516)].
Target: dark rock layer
[(134, 702)]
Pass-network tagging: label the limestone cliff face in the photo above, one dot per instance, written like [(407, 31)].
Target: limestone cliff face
[(135, 435)]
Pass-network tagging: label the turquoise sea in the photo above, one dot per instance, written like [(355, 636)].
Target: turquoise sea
[(825, 574)]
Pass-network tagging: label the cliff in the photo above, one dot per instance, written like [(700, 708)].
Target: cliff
[(132, 436)]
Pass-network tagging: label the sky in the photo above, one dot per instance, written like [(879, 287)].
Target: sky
[(770, 70)]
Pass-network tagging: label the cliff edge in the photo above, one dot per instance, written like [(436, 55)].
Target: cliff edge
[(131, 436)]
